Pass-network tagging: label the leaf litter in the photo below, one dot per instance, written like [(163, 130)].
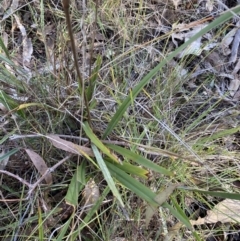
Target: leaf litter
[(40, 164)]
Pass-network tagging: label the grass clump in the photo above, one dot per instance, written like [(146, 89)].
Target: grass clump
[(112, 129)]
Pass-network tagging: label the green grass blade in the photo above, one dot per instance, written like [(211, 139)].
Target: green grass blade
[(133, 185), (2, 45), (136, 90), (129, 168), (11, 63), (90, 214), (93, 78), (140, 160), (94, 139), (81, 177), (107, 174), (9, 103), (74, 188), (64, 229), (161, 197), (7, 136), (7, 155), (179, 215), (40, 225), (228, 195), (6, 60), (216, 136), (9, 78)]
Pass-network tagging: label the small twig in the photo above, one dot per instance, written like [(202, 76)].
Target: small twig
[(33, 186), (15, 136), (81, 82), (92, 42), (16, 177), (49, 170)]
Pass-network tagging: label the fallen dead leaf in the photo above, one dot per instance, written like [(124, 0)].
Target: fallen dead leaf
[(40, 164), (27, 48), (227, 40), (195, 47), (234, 85), (11, 9), (235, 47), (69, 146), (226, 211), (236, 68)]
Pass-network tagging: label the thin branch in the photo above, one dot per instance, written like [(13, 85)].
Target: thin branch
[(81, 82), (49, 170), (16, 177)]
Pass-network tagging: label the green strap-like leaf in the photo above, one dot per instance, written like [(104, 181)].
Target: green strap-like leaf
[(74, 187), (10, 103), (94, 139), (136, 90), (93, 78), (107, 174), (140, 159), (2, 45), (8, 154), (65, 229), (234, 196), (129, 168), (135, 186), (178, 213), (90, 213)]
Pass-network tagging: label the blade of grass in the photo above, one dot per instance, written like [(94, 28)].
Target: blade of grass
[(89, 215), (161, 197), (135, 186), (94, 139), (40, 224), (129, 168), (183, 217), (216, 136), (107, 174), (178, 215), (228, 195), (2, 45), (136, 90), (6, 60), (9, 103), (8, 154), (7, 136), (144, 192), (64, 229), (81, 177), (11, 63), (9, 78), (93, 78), (140, 159), (74, 188)]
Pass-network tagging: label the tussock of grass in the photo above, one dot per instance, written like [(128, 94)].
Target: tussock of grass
[(180, 123)]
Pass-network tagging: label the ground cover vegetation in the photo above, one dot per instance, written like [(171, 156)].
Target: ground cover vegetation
[(119, 120)]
